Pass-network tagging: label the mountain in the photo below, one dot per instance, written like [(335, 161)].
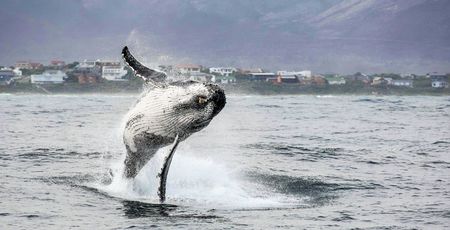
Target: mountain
[(323, 35)]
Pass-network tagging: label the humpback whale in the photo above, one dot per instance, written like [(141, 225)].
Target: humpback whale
[(166, 114)]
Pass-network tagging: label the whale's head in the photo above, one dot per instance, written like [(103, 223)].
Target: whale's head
[(195, 104), (180, 108)]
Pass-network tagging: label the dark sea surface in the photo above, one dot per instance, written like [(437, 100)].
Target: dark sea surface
[(290, 162)]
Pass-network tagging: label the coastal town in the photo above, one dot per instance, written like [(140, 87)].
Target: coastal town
[(26, 75)]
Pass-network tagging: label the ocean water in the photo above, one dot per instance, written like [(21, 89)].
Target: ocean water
[(289, 162)]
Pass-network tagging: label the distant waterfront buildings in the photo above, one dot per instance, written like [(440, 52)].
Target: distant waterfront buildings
[(28, 65), (86, 64), (223, 79), (89, 71), (335, 80), (188, 68), (301, 74), (439, 81), (402, 82), (317, 80), (49, 77), (223, 71), (17, 72), (250, 70), (95, 71), (199, 76), (6, 76), (359, 77), (260, 77), (113, 72), (57, 64), (287, 79), (379, 81)]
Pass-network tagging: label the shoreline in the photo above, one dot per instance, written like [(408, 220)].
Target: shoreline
[(135, 88)]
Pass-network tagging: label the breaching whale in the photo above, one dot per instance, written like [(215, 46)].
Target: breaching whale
[(166, 113)]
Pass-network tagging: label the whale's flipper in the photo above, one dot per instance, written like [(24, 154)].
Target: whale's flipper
[(149, 75), (165, 170)]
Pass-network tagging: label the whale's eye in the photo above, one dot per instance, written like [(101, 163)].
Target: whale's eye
[(201, 100)]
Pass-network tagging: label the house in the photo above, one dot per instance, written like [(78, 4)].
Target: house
[(439, 81), (87, 78), (288, 79), (300, 74), (28, 65), (223, 79), (336, 80), (57, 63), (86, 64), (314, 80), (223, 71), (260, 76), (361, 77), (198, 76), (87, 72), (36, 65), (408, 76), (402, 82), (188, 68), (379, 81), (102, 63), (250, 70), (17, 72), (389, 80), (87, 67), (49, 77), (285, 79), (6, 76), (23, 65), (114, 72)]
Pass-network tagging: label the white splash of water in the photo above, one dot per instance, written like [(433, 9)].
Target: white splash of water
[(191, 181)]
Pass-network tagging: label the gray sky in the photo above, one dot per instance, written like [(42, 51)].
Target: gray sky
[(322, 35)]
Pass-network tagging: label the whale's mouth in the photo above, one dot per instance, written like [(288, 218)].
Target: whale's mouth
[(218, 98), (200, 125)]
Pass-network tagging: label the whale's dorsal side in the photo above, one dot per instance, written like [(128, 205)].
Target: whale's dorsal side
[(149, 75)]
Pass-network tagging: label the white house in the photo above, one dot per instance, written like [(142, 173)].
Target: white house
[(86, 64), (439, 84), (188, 68), (202, 77), (224, 71), (336, 80), (304, 73), (113, 72), (402, 82), (49, 77), (439, 81), (389, 80)]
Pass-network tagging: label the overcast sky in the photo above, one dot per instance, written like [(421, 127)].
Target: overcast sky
[(321, 35)]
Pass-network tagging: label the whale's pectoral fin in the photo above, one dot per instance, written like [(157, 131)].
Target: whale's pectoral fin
[(165, 170), (149, 75)]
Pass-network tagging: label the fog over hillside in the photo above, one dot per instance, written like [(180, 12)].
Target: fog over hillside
[(322, 35)]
